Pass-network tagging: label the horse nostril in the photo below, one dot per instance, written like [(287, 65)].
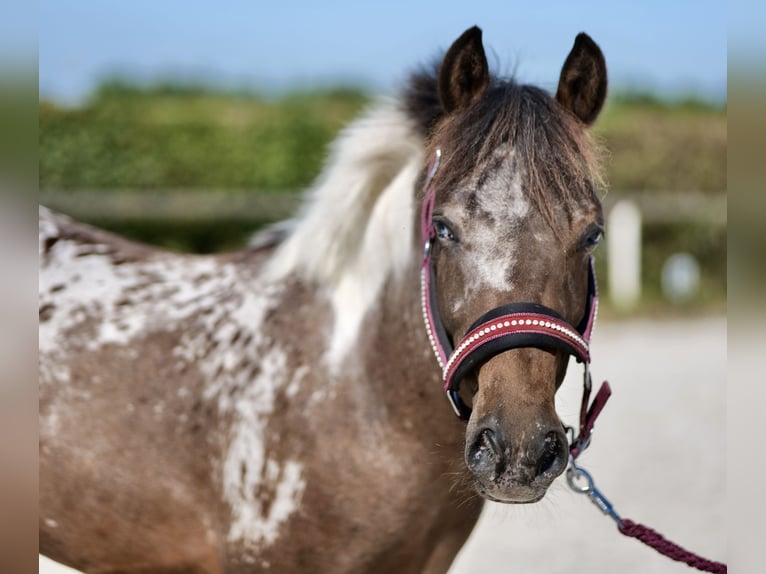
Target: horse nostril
[(551, 459), (489, 440), (486, 455)]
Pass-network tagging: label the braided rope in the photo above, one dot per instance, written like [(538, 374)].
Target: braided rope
[(668, 548)]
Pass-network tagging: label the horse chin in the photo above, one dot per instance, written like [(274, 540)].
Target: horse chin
[(512, 500)]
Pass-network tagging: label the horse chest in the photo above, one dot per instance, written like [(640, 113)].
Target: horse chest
[(382, 513)]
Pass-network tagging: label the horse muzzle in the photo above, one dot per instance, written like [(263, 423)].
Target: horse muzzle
[(517, 471)]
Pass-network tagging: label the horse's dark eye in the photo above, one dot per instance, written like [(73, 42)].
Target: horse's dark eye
[(443, 231), (592, 237)]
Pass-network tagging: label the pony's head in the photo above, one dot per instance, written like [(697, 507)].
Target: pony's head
[(515, 218)]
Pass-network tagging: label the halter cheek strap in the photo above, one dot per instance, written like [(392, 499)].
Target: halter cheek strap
[(506, 327), (437, 335)]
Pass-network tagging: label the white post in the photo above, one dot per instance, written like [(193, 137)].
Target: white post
[(624, 254)]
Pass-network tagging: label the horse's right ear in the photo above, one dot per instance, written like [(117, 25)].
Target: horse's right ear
[(464, 72)]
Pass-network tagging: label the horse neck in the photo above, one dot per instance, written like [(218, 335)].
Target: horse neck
[(407, 379)]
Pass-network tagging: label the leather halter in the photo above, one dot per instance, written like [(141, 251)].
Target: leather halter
[(506, 327)]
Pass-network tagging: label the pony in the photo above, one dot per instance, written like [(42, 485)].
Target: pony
[(281, 408)]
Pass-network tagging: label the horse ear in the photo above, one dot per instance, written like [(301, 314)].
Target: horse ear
[(582, 85), (464, 72)]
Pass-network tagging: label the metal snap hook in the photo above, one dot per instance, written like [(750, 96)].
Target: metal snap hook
[(575, 476)]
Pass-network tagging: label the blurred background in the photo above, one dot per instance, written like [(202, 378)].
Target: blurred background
[(190, 125)]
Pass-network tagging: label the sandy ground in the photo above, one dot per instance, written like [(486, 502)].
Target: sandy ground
[(658, 454)]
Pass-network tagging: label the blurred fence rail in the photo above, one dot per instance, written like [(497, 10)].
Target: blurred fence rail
[(175, 206), (675, 206), (194, 205)]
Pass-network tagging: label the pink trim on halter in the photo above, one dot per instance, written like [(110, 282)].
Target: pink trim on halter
[(593, 302), (425, 291), (426, 223), (428, 234)]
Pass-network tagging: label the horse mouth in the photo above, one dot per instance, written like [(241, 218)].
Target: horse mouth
[(528, 495), (511, 488)]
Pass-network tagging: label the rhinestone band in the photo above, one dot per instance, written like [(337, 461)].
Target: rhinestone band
[(523, 322)]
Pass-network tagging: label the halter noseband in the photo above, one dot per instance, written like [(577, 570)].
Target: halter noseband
[(506, 327)]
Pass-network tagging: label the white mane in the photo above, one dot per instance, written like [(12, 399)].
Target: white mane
[(356, 226)]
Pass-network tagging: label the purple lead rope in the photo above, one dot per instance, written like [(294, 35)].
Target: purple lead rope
[(668, 548), (581, 481)]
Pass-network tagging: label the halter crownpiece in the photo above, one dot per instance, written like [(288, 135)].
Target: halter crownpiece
[(506, 327)]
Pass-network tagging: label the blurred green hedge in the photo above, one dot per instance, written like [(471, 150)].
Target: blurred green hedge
[(663, 146), (184, 138), (169, 136)]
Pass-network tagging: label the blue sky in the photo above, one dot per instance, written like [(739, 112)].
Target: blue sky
[(675, 48)]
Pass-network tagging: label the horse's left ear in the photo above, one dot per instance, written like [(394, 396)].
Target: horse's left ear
[(582, 85), (464, 71)]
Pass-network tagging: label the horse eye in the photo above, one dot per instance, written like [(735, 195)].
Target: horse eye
[(592, 237), (443, 231)]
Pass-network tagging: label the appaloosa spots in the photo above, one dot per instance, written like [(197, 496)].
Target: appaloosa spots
[(215, 312), (502, 196), (187, 286), (46, 312), (209, 297), (295, 382), (247, 470)]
